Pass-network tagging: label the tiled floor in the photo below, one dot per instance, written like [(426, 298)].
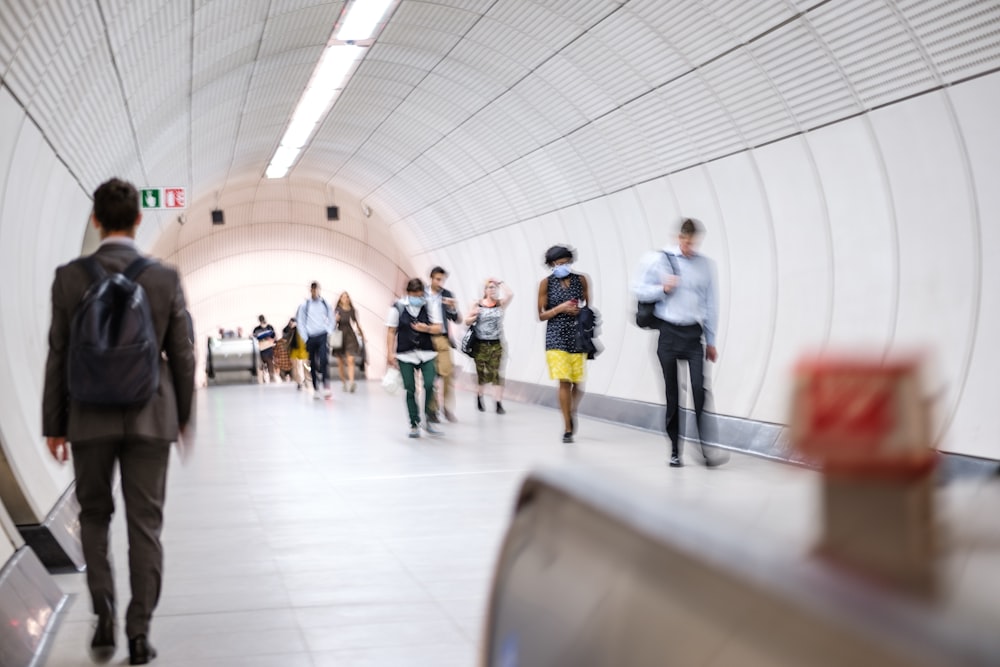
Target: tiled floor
[(306, 533)]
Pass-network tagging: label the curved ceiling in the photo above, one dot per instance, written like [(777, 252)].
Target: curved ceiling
[(466, 115)]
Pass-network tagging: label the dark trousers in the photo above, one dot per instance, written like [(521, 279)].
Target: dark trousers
[(319, 360), (676, 343), (143, 466), (408, 371)]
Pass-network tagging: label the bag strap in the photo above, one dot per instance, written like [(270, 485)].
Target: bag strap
[(138, 265), (670, 260)]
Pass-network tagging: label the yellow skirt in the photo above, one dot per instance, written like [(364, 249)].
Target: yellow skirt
[(566, 366)]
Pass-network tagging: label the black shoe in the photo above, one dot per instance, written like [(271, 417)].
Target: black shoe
[(675, 462), (102, 646), (433, 418), (479, 404), (140, 651), (567, 437), (500, 410)]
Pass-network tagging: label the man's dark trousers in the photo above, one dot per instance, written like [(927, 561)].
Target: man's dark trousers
[(143, 466), (682, 342), (319, 360)]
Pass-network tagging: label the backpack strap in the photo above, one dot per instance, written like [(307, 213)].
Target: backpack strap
[(94, 268), (138, 265)]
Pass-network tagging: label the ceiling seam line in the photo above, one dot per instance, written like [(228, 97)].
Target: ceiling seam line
[(121, 89), (246, 93)]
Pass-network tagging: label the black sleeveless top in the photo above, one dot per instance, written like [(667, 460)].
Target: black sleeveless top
[(406, 338), (560, 331)]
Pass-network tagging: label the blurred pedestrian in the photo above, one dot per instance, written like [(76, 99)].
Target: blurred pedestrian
[(681, 282), (315, 323), (486, 316), (442, 299), (409, 348), (347, 321)]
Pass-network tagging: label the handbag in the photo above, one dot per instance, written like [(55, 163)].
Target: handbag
[(470, 341), (645, 311), (336, 339), (392, 381)]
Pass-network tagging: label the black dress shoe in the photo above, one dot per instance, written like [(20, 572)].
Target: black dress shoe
[(479, 404), (500, 410), (140, 651), (102, 646)]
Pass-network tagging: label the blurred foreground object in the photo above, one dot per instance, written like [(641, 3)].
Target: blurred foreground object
[(866, 425), (596, 571)]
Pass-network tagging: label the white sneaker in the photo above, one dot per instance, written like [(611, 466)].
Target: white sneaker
[(414, 431), (327, 394), (432, 429)]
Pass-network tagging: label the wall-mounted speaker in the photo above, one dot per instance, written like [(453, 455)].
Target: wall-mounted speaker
[(332, 213), (217, 218)]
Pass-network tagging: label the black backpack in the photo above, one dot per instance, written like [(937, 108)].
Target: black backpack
[(114, 355), (645, 316)]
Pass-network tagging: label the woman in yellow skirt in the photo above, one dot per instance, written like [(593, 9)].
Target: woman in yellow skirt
[(560, 297)]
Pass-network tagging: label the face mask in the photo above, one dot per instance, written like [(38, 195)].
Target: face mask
[(561, 271), (417, 301)]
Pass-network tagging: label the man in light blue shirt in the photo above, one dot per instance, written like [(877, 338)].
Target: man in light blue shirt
[(315, 322), (681, 282)]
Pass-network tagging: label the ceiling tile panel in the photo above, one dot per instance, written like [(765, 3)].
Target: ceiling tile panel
[(747, 20), (15, 21), (562, 74), (665, 138), (291, 28), (645, 50), (961, 38), (750, 98), (686, 26), (599, 153), (466, 75), (561, 112), (706, 122), (808, 80), (874, 50)]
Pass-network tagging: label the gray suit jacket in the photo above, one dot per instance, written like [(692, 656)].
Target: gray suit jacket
[(170, 407)]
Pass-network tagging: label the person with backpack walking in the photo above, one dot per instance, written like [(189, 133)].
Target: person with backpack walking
[(315, 323), (680, 283), (118, 396)]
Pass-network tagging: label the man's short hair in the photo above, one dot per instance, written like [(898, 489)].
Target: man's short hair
[(415, 285), (557, 252), (261, 318), (314, 285), (690, 227), (436, 270), (116, 205)]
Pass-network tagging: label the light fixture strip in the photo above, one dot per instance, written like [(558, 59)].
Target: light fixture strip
[(330, 76)]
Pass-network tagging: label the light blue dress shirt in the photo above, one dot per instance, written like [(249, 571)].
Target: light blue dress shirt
[(692, 301)]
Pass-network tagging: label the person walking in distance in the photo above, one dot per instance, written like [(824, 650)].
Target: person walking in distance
[(440, 298), (681, 282), (315, 322), (135, 436), (561, 294), (347, 321)]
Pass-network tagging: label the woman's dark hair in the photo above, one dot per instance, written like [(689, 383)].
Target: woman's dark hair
[(557, 252), (116, 205), (415, 285)]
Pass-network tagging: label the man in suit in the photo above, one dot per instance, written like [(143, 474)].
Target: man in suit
[(443, 301), (138, 437)]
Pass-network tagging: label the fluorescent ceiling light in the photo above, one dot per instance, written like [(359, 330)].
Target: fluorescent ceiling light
[(362, 19), (327, 80)]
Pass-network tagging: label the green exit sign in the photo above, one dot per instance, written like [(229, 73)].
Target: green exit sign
[(158, 198)]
